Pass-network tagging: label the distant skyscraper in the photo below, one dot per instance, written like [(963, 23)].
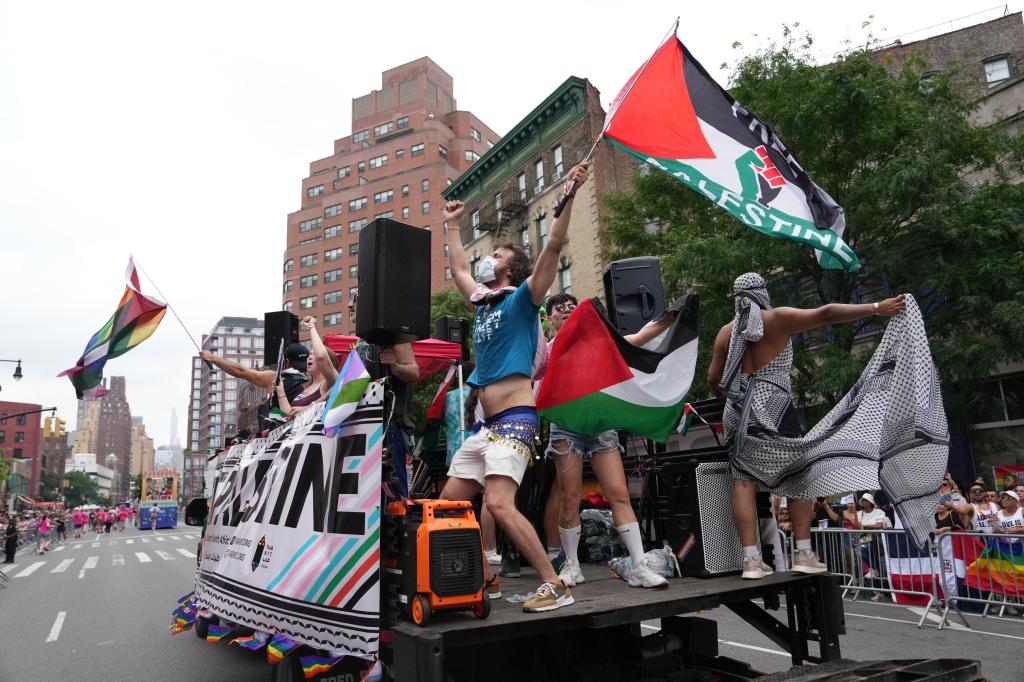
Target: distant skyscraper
[(175, 441)]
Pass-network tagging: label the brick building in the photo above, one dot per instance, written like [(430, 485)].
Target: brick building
[(53, 447), (408, 141), (142, 449), (192, 478), (511, 192), (20, 438)]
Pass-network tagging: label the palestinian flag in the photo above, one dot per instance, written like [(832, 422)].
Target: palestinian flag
[(674, 116), (596, 380), (689, 414)]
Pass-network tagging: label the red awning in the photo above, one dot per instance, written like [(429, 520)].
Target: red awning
[(432, 355)]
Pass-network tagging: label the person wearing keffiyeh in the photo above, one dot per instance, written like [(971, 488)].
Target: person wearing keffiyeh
[(750, 368)]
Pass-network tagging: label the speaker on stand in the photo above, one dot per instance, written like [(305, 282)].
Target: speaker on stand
[(394, 283), (633, 291), (278, 325)]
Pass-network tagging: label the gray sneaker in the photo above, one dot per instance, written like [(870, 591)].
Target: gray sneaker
[(755, 569), (807, 562), (645, 576), (571, 574)]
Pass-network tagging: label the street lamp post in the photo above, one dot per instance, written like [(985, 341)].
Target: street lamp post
[(17, 370)]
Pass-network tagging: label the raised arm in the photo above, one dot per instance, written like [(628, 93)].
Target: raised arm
[(547, 262), (795, 320), (319, 350), (264, 378), (650, 331), (456, 253), (402, 362)]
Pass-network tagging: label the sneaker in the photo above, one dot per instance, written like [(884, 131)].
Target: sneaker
[(807, 562), (492, 556), (570, 573), (510, 567), (493, 587), (645, 576), (548, 597), (755, 569)]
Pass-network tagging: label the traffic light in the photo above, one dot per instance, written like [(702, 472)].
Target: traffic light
[(59, 427), (47, 427)]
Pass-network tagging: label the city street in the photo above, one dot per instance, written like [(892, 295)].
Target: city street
[(98, 609)]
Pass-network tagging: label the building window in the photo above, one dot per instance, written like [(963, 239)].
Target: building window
[(289, 265), (384, 197), (400, 153), (17, 453), (565, 279), (472, 155), (289, 285), (443, 151), (405, 190), (556, 154), (315, 191), (475, 134), (474, 222), (307, 281), (416, 150), (332, 319), (345, 172), (19, 436), (332, 254), (385, 214), (360, 167), (997, 70), (332, 231), (332, 297), (403, 122), (287, 307), (307, 302), (538, 176), (384, 129), (447, 272), (542, 232), (353, 249), (332, 211), (425, 207), (425, 185), (357, 204), (353, 271), (309, 261), (309, 241), (311, 224), (405, 211), (521, 186), (361, 136), (356, 225), (379, 161), (332, 275)]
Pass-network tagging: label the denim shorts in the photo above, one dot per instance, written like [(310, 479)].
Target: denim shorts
[(583, 444)]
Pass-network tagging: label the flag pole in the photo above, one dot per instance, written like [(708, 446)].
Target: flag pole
[(570, 189), (175, 313)]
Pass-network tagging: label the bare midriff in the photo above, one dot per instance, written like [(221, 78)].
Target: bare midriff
[(515, 390)]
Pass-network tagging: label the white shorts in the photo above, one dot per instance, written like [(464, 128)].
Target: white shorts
[(481, 455)]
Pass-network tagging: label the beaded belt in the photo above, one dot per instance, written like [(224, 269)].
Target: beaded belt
[(516, 427)]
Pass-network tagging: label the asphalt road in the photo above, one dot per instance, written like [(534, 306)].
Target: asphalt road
[(98, 609)]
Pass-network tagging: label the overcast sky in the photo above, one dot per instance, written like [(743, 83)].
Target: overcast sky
[(179, 132)]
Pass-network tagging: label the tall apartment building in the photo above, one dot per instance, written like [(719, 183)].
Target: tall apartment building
[(193, 478), (408, 141), (213, 405), (20, 439), (511, 192), (105, 427), (142, 448)]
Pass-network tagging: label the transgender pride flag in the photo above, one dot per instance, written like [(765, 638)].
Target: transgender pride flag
[(345, 395)]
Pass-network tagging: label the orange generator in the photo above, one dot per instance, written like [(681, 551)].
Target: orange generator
[(437, 559)]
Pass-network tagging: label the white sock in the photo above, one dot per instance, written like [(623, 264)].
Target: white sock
[(630, 534), (570, 542), (803, 545), (751, 552)]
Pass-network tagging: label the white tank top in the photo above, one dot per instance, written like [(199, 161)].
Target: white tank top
[(1016, 520), (984, 515)]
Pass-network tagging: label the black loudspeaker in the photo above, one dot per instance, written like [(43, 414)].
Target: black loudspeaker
[(632, 288), (394, 283), (455, 330), (278, 325)]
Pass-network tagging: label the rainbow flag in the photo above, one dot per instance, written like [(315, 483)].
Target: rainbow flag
[(317, 665), (278, 648), (348, 390), (1000, 568), (215, 633), (134, 321), (376, 672), (250, 642)]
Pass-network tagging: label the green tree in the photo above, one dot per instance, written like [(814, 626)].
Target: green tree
[(930, 210), (50, 491), (446, 302), (81, 490)]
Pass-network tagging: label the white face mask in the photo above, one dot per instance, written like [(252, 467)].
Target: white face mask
[(485, 271)]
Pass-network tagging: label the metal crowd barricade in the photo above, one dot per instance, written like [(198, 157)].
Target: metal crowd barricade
[(882, 562), (984, 569)]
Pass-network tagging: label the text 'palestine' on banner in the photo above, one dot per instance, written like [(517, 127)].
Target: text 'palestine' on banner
[(674, 116)]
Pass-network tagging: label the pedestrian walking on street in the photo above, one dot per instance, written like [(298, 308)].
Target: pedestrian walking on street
[(108, 519), (62, 529), (10, 540), (43, 535)]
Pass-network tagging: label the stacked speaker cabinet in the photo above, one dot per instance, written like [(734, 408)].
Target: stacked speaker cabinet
[(394, 283), (278, 325), (632, 288)]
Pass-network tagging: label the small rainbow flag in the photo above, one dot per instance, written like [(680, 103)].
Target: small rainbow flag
[(250, 642), (186, 599), (376, 671), (348, 390), (134, 321), (1000, 568), (317, 665), (279, 647), (215, 633)]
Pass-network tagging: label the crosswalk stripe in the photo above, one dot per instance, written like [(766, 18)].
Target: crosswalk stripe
[(112, 543), (95, 544), (59, 548), (91, 563), (145, 539), (190, 537), (30, 569), (8, 568), (165, 556), (185, 552), (118, 560), (143, 557), (79, 546), (159, 539), (129, 541), (62, 566), (172, 537)]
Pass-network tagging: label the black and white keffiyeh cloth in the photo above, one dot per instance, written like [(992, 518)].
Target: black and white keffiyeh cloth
[(889, 431)]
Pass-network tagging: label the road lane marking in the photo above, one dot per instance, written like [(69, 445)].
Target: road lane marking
[(89, 564), (118, 560), (95, 544), (164, 555), (59, 548), (159, 539), (185, 552), (172, 537), (914, 622), (189, 537), (129, 541), (78, 546), (62, 566), (57, 625), (30, 569), (7, 568), (111, 543), (741, 645), (145, 539), (143, 557)]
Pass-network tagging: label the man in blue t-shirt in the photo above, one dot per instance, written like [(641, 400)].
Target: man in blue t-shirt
[(507, 294)]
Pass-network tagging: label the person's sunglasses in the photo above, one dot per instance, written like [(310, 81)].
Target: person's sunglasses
[(565, 307)]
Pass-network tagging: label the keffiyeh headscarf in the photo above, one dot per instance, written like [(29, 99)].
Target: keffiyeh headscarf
[(750, 296)]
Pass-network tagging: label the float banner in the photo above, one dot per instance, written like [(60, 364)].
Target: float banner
[(293, 542)]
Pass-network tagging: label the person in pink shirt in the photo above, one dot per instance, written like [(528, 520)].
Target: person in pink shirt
[(43, 535), (122, 514)]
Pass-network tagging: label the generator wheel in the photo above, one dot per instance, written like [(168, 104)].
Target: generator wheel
[(483, 609), (420, 610), (200, 627)]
